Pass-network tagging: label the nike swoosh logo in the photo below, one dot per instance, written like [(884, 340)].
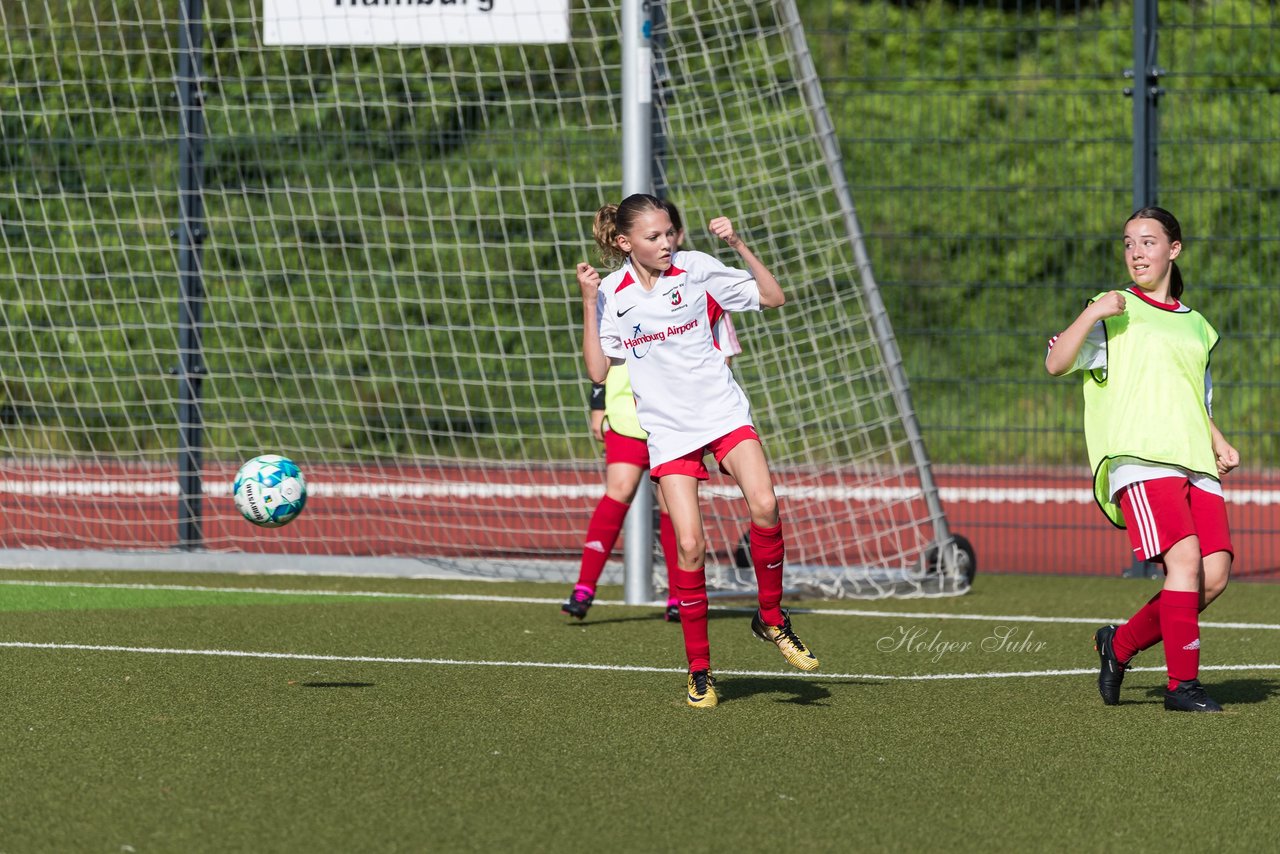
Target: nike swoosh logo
[(684, 604), (624, 311), (773, 565)]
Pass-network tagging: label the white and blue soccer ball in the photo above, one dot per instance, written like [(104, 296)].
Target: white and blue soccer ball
[(270, 490)]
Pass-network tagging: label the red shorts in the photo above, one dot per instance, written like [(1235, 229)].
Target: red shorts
[(625, 449), (1160, 512), (691, 464)]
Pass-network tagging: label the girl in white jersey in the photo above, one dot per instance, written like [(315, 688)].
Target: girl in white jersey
[(653, 316), (1156, 453), (626, 455)]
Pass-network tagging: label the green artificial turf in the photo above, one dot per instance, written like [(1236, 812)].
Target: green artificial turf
[(160, 750)]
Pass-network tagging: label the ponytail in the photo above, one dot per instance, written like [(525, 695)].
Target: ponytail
[(605, 231), (1175, 281)]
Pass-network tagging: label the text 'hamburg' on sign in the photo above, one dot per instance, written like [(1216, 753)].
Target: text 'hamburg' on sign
[(409, 22)]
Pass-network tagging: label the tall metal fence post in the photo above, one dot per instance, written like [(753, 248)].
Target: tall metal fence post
[(190, 233), (637, 163), (1145, 92)]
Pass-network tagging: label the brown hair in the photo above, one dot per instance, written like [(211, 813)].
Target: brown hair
[(674, 213), (613, 220), (1172, 230)]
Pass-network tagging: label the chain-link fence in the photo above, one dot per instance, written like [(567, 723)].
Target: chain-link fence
[(991, 151)]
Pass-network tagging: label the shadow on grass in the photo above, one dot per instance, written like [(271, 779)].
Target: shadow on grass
[(1233, 691), (591, 622), (337, 684), (659, 616), (797, 691)]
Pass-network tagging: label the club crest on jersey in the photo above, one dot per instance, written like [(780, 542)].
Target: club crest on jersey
[(676, 297)]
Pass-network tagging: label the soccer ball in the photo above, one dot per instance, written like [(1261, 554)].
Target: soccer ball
[(270, 490)]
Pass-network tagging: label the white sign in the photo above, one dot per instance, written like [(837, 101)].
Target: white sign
[(358, 22)]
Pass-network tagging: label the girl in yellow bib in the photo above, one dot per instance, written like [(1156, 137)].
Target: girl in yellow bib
[(1157, 457)]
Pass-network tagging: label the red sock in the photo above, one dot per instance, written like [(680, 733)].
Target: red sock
[(1141, 632), (670, 553), (691, 586), (602, 533), (766, 555), (1180, 624)]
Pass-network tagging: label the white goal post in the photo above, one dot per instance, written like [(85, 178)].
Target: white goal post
[(384, 253)]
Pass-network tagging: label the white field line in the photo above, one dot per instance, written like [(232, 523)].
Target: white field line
[(568, 665), (533, 600), (448, 489), (274, 591)]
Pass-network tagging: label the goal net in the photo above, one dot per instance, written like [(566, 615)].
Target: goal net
[(388, 295)]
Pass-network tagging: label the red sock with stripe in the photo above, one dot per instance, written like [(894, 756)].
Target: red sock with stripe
[(1141, 632), (691, 587), (602, 534), (766, 556), (667, 536), (1180, 625)]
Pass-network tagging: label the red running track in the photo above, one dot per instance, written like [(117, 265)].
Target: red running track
[(1017, 520)]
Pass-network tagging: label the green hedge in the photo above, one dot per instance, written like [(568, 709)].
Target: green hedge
[(987, 147)]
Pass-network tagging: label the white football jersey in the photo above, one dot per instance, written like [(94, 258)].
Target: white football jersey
[(685, 393)]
